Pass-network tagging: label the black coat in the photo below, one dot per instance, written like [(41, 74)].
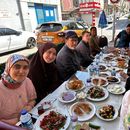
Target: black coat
[(83, 51), (67, 62)]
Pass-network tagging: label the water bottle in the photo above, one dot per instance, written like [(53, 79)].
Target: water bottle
[(74, 119), (113, 72), (91, 70), (97, 69), (26, 120)]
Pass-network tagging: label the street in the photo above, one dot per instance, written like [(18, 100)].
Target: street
[(120, 25)]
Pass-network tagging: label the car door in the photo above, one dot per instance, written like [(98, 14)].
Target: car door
[(5, 40), (16, 39)]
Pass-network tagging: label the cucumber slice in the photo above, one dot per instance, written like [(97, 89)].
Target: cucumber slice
[(94, 126)]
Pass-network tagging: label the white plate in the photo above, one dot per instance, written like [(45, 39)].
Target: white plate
[(104, 69), (116, 78), (99, 79), (114, 90), (37, 124), (85, 117), (66, 85), (99, 99), (94, 123), (63, 101), (114, 117)]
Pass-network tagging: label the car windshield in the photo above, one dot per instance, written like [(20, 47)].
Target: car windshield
[(51, 27)]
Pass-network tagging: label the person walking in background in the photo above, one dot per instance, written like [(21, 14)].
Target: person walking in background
[(43, 71), (124, 38), (94, 41), (84, 50), (67, 59), (16, 90)]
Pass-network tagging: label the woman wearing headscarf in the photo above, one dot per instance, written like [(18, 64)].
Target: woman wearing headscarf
[(16, 90), (43, 71)]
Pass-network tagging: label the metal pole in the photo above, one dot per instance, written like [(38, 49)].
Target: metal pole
[(20, 14), (114, 19)]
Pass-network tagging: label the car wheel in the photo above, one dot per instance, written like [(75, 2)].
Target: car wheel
[(31, 42)]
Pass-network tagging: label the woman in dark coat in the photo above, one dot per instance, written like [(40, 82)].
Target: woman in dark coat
[(43, 71)]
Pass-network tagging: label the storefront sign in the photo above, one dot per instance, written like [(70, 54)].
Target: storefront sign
[(92, 5)]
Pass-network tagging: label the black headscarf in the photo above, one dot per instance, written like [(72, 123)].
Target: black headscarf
[(43, 75)]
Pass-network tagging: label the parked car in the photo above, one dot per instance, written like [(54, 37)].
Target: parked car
[(11, 39), (110, 19), (51, 31)]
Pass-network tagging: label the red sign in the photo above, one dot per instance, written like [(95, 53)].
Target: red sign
[(114, 1), (94, 5)]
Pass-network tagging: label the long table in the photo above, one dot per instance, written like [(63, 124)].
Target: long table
[(114, 100)]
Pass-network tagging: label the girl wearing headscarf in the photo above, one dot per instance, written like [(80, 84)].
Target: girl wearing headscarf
[(43, 71), (16, 90)]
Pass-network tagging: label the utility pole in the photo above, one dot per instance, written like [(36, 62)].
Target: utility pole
[(20, 14), (114, 20)]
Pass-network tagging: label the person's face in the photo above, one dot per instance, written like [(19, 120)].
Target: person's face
[(86, 37), (19, 71), (72, 43), (128, 30), (50, 55), (94, 32)]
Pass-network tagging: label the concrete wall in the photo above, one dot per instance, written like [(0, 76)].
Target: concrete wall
[(9, 15)]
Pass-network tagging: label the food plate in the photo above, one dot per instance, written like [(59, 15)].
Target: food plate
[(89, 126), (97, 94), (46, 105), (103, 74), (102, 68), (67, 97), (99, 81), (113, 79), (75, 85), (84, 110), (116, 89), (107, 110), (67, 122)]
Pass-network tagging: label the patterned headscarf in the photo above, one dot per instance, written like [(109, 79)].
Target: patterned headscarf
[(6, 78)]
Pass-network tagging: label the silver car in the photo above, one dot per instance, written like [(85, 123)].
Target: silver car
[(11, 39)]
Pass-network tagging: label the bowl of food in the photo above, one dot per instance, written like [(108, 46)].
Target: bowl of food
[(97, 94), (113, 79), (67, 97), (75, 85), (99, 81), (84, 110), (107, 112)]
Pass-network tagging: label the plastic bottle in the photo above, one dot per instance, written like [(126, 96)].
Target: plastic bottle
[(97, 69), (113, 72), (74, 119), (91, 70), (26, 120)]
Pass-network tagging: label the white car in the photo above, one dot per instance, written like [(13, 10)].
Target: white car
[(11, 39), (109, 19)]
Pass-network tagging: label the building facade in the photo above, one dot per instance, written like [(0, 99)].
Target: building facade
[(27, 14)]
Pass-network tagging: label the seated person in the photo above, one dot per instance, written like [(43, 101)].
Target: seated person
[(43, 71), (124, 38), (62, 39), (84, 50), (94, 41), (16, 90), (67, 59)]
